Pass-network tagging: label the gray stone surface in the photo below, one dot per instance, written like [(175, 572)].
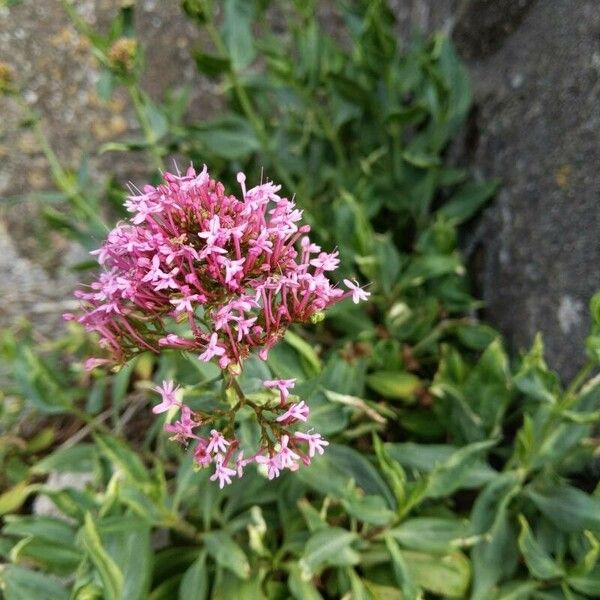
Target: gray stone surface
[(536, 124), (537, 127), (535, 67), (58, 73)]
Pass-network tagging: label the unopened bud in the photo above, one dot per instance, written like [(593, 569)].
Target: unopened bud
[(317, 317), (235, 369)]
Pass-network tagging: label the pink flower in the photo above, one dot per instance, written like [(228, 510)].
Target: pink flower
[(232, 267), (358, 293), (213, 349), (214, 229), (202, 456), (182, 429), (184, 304), (326, 262), (240, 463), (314, 440), (92, 363), (272, 463), (283, 385), (222, 473), (217, 443), (287, 458), (199, 270), (168, 393), (296, 412)]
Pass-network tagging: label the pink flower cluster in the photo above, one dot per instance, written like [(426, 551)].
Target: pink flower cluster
[(290, 447), (199, 270)]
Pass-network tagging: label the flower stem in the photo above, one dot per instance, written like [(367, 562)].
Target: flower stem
[(137, 100), (252, 116), (63, 181)]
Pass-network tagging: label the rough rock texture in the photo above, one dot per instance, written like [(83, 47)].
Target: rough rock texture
[(535, 67), (536, 123), (537, 127), (58, 73)]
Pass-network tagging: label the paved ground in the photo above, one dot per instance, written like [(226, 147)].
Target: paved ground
[(536, 124)]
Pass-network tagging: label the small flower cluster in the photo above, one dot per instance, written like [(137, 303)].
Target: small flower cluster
[(290, 447), (202, 271)]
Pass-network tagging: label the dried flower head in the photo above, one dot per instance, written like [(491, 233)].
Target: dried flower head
[(123, 54)]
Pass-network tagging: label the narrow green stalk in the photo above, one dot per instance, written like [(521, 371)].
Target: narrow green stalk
[(246, 104), (92, 422), (183, 527), (138, 105), (579, 379), (63, 181)]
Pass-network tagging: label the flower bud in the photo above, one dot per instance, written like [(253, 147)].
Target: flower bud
[(317, 317)]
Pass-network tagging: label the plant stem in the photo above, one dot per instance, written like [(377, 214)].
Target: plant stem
[(580, 378), (137, 100), (63, 181), (252, 116)]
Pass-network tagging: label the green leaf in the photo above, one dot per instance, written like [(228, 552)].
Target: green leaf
[(237, 32), (110, 574), (158, 122), (450, 475), (167, 589), (570, 509), (52, 557), (534, 378), (402, 573), (369, 509), (38, 526), (330, 546), (468, 200), (80, 458), (394, 384), (538, 561), (19, 583), (128, 542), (494, 557), (300, 588), (424, 268), (226, 553), (230, 137), (123, 457), (194, 585), (392, 470), (72, 502), (516, 590), (448, 576), (306, 352), (211, 65), (227, 586), (420, 159), (587, 584), (357, 587), (487, 389), (432, 534), (428, 457), (12, 499)]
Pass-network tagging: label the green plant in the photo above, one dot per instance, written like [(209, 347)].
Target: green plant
[(455, 471)]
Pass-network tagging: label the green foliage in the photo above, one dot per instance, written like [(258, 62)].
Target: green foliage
[(453, 471)]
